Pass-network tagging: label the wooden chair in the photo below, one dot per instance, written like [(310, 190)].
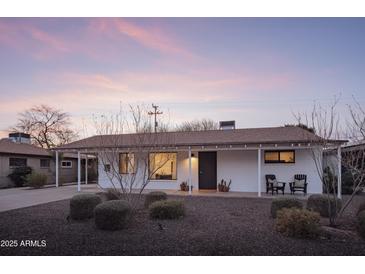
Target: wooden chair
[(274, 188), (303, 187)]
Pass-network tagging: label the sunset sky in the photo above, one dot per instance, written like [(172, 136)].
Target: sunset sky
[(255, 71)]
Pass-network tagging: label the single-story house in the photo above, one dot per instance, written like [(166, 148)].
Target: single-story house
[(17, 151), (204, 158)]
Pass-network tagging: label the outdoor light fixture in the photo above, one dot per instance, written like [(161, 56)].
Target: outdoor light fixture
[(192, 155)]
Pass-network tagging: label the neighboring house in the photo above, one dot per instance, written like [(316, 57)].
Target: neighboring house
[(203, 158), (16, 151)]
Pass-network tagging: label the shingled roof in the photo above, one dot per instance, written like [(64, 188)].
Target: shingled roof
[(9, 147), (249, 136)]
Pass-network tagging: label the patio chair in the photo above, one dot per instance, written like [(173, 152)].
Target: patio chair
[(299, 184), (273, 185)]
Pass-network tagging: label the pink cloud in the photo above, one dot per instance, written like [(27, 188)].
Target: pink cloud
[(49, 40), (30, 39), (150, 37)]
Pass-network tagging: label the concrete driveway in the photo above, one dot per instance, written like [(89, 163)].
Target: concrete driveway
[(14, 198)]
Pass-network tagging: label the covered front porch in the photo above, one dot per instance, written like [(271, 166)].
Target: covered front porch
[(203, 167)]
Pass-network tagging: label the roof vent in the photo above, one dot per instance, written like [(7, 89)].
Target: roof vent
[(227, 125), (20, 137)]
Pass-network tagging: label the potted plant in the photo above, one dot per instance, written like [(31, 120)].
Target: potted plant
[(185, 187), (223, 186)]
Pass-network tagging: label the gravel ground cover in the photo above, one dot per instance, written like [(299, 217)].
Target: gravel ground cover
[(212, 226)]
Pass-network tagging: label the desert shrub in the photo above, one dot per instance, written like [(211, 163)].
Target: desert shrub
[(19, 175), (361, 223), (323, 204), (361, 207), (37, 180), (82, 206), (153, 197), (168, 209), (112, 215), (298, 223), (280, 203), (113, 194)]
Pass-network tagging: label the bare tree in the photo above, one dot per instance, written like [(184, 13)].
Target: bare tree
[(357, 123), (324, 122), (198, 125), (47, 126), (126, 142), (353, 157)]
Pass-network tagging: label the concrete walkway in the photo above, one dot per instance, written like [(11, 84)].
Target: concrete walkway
[(14, 198)]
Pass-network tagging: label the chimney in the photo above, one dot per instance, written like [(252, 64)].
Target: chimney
[(19, 137), (227, 125)]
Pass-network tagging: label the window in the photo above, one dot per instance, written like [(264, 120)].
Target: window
[(126, 163), (17, 162), (280, 156), (66, 164), (162, 166), (45, 163)]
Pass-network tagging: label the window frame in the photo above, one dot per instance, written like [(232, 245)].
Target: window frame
[(163, 152), (279, 153), (66, 161), (127, 166), (44, 159), (22, 158)]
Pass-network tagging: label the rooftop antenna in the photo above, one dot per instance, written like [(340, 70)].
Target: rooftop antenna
[(155, 113)]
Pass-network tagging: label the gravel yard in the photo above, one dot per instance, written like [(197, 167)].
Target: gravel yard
[(212, 226)]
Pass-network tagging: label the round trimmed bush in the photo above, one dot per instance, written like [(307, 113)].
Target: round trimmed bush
[(322, 203), (280, 203), (82, 206), (168, 209), (113, 194), (112, 215), (298, 223), (153, 197), (361, 223)]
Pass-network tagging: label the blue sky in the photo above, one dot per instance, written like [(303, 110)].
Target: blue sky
[(257, 71)]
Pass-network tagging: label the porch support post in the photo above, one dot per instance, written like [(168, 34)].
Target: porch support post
[(56, 167), (86, 165), (189, 170), (78, 171), (339, 175), (259, 172)]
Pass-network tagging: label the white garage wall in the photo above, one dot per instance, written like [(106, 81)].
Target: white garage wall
[(240, 167)]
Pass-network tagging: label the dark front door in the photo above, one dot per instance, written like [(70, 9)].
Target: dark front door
[(208, 170)]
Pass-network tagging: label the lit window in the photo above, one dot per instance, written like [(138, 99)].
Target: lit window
[(17, 162), (66, 164), (280, 156), (126, 163), (162, 166), (45, 163)]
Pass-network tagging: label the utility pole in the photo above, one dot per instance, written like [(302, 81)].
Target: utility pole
[(155, 113)]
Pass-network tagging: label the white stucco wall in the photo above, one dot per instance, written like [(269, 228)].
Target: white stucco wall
[(241, 167)]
